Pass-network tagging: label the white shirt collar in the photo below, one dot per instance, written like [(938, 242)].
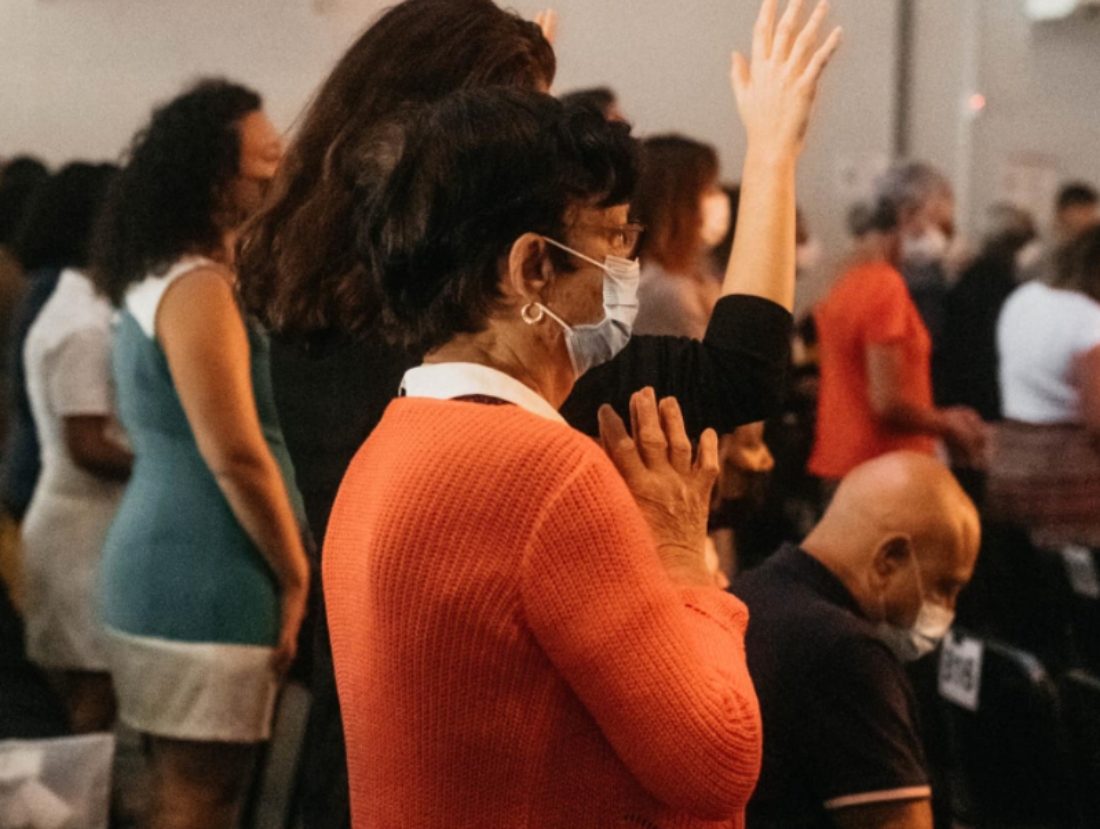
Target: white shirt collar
[(445, 381)]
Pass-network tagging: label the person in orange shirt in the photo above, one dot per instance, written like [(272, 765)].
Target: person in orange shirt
[(876, 379)]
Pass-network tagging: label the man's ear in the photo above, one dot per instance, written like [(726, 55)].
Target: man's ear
[(892, 554), (527, 268)]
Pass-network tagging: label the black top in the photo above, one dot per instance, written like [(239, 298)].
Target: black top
[(329, 403), (839, 712), (22, 463), (969, 374)]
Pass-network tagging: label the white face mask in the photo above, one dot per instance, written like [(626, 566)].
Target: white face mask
[(930, 246), (717, 217), (595, 344), (932, 624)]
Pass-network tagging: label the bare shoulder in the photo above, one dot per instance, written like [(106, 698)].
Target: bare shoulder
[(200, 301)]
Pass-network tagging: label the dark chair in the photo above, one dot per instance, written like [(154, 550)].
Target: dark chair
[(1020, 595), (1081, 567), (29, 708), (1010, 762), (1081, 706), (935, 736)]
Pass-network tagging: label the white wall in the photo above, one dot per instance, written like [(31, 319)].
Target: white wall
[(1042, 87), (80, 75), (77, 77)]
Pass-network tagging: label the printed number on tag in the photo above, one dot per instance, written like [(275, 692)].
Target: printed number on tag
[(961, 671)]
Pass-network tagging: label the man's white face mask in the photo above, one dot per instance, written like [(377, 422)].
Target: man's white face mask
[(931, 626)]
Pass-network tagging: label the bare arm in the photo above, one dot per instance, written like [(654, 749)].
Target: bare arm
[(775, 92), (203, 335), (884, 387), (902, 814), (960, 427), (92, 449)]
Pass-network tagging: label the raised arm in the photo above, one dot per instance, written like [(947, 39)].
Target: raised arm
[(775, 91), (736, 374)]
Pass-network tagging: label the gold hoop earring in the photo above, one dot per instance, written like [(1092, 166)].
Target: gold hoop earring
[(532, 317)]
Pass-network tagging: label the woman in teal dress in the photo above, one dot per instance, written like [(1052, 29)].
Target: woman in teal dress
[(204, 577)]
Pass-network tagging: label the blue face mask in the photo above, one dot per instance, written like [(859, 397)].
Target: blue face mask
[(595, 344)]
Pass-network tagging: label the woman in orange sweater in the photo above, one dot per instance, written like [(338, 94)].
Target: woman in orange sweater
[(515, 644), (525, 632)]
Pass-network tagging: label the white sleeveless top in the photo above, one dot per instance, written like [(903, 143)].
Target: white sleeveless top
[(143, 298)]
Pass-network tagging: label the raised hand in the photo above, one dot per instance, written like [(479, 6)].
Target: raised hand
[(670, 486), (776, 88)]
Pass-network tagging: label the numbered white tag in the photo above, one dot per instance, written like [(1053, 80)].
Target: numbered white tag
[(1081, 571), (960, 676)]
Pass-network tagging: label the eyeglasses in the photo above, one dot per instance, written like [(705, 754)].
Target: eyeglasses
[(622, 239)]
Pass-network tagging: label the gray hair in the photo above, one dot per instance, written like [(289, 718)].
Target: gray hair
[(911, 184)]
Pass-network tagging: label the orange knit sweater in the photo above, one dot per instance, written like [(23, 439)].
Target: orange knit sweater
[(509, 651)]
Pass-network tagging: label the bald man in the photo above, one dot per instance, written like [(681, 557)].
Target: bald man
[(831, 623)]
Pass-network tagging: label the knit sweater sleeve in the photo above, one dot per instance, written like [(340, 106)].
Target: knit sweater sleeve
[(661, 669)]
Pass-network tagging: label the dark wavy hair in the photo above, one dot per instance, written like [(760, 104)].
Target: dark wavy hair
[(445, 190), (165, 202), (601, 98), (19, 179), (675, 173), (57, 229), (298, 270)]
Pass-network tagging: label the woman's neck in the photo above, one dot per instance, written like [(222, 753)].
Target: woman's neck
[(520, 358)]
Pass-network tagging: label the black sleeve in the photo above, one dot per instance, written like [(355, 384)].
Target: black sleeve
[(735, 375), (861, 744)]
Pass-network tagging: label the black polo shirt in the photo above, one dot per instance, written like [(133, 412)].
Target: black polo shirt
[(839, 712)]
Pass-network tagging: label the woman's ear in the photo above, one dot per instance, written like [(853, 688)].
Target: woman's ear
[(527, 269)]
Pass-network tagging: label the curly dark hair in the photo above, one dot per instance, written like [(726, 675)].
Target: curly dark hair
[(19, 179), (57, 229), (601, 98), (166, 200), (445, 190), (296, 261)]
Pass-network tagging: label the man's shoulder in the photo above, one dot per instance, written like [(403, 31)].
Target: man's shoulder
[(863, 286), (777, 593)]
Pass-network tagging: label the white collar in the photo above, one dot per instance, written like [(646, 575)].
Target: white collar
[(446, 381)]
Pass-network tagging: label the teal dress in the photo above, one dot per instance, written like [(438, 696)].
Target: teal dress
[(189, 601)]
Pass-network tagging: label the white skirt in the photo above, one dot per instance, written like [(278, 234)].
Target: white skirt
[(62, 542), (206, 692)]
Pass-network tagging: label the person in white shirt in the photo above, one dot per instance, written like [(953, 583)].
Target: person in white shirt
[(1046, 467), (84, 468)]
